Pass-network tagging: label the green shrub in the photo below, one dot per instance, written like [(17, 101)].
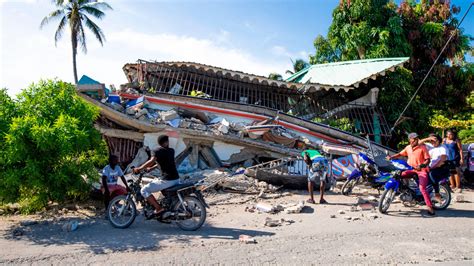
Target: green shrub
[(50, 146)]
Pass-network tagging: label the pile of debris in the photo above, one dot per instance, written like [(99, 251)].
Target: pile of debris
[(268, 130)]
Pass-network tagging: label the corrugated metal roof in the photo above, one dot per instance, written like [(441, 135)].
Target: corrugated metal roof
[(347, 73)]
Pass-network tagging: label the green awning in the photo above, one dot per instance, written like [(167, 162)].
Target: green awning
[(347, 73)]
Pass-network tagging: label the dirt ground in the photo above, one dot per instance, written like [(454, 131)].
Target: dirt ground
[(315, 236)]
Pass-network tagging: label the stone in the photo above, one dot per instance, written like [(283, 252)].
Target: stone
[(332, 216), (262, 184), (247, 239), (341, 212), (264, 207), (295, 208), (272, 223), (288, 222), (355, 218), (371, 198), (169, 115), (347, 218), (141, 113), (223, 129), (460, 198)]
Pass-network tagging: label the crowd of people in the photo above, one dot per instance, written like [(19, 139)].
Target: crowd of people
[(433, 158)]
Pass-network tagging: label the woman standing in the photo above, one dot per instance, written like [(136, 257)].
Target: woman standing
[(454, 147)]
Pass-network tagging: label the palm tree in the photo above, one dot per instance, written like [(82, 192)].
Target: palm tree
[(275, 76), (74, 13), (298, 65)]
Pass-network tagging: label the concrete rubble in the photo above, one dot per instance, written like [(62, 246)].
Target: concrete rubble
[(192, 119), (247, 239)]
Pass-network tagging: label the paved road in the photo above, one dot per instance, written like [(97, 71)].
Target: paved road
[(403, 236)]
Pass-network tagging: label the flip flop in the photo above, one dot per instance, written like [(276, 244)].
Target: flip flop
[(310, 201), (323, 201)]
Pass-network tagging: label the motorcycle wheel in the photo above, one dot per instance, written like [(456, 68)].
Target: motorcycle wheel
[(348, 186), (194, 213), (121, 212), (386, 200), (445, 198)]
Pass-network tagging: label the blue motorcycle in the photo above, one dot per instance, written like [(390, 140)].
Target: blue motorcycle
[(408, 189), (367, 173)]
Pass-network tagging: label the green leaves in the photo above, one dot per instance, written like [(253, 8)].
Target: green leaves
[(48, 146)]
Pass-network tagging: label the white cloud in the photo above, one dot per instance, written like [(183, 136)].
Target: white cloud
[(33, 57)]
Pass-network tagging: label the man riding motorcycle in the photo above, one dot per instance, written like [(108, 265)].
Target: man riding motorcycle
[(419, 159), (162, 157)]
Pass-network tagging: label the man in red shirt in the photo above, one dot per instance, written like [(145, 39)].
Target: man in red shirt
[(419, 159)]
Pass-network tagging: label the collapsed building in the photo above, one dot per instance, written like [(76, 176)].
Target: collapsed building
[(217, 117)]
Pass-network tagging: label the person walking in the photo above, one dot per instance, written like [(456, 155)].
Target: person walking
[(455, 156)]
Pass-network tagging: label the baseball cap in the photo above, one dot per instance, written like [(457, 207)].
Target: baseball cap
[(412, 135)]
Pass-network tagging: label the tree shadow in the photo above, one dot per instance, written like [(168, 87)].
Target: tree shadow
[(100, 237)]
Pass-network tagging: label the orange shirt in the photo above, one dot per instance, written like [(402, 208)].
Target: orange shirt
[(417, 155)]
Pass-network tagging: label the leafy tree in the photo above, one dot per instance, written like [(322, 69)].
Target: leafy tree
[(362, 29), (298, 65), (74, 14), (378, 28), (275, 76), (50, 147)]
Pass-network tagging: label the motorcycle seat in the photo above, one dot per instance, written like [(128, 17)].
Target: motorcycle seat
[(177, 187)]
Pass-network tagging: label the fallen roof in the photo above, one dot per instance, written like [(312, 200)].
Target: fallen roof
[(131, 71), (347, 73)]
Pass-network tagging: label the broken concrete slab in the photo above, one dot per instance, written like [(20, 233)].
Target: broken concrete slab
[(169, 115), (295, 208)]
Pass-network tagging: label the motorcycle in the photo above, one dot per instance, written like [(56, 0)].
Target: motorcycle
[(183, 204), (408, 189), (367, 173)]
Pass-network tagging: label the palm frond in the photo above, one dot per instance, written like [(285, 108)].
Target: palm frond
[(92, 11), (52, 16), (99, 5), (96, 30), (60, 30)]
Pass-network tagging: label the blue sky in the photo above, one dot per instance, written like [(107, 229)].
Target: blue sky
[(251, 36)]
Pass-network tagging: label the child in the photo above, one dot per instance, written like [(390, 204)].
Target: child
[(110, 175)]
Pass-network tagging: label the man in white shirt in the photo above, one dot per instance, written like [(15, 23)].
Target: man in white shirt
[(437, 166)]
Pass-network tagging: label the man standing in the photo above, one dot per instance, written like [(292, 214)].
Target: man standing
[(419, 159), (162, 157)]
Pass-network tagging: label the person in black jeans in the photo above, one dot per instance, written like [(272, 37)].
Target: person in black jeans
[(163, 157)]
